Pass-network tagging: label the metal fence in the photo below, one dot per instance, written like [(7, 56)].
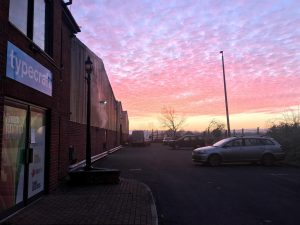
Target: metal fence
[(248, 132)]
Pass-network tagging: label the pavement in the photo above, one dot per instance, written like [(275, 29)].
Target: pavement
[(129, 202)]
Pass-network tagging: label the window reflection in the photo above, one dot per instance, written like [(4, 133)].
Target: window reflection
[(39, 23), (18, 14)]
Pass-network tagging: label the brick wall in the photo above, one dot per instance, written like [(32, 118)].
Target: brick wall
[(58, 103), (61, 132), (77, 138), (3, 37)]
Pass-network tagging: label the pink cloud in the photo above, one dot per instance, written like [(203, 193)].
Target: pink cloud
[(159, 53)]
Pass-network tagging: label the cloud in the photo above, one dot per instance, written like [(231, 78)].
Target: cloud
[(160, 53)]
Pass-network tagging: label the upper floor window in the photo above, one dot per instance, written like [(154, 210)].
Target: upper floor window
[(18, 14), (32, 18), (39, 24)]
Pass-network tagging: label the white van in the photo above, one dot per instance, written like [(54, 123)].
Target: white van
[(138, 138)]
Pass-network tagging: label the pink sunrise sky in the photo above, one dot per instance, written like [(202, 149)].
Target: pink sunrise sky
[(166, 53)]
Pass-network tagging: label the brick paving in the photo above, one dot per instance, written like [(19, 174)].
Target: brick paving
[(129, 202)]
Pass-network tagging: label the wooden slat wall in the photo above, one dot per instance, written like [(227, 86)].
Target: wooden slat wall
[(78, 83), (125, 122), (102, 116)]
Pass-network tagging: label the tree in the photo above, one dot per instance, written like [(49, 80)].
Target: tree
[(292, 116), (214, 131), (171, 120)]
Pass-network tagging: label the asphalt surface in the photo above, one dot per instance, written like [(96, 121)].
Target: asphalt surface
[(188, 194)]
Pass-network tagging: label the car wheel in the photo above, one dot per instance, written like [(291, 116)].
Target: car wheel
[(214, 160), (267, 160)]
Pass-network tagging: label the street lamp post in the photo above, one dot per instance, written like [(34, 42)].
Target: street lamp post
[(88, 70), (89, 174), (226, 102)]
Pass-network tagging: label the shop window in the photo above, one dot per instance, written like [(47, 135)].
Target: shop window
[(33, 18)]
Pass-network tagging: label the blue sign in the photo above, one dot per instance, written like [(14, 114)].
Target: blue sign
[(24, 69)]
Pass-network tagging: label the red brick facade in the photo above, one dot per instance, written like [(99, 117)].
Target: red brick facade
[(62, 133), (56, 104)]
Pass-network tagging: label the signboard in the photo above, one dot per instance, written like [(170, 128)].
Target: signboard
[(24, 69)]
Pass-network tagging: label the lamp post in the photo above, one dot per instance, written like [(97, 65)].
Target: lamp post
[(117, 122), (226, 102), (89, 174), (88, 70)]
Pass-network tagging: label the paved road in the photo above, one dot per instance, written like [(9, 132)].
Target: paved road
[(188, 194)]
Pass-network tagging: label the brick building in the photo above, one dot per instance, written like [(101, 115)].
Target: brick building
[(42, 108)]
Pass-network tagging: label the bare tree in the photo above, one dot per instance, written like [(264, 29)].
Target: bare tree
[(215, 125), (291, 116), (214, 131), (171, 120)]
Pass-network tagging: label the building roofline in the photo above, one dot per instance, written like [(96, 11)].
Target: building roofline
[(70, 19)]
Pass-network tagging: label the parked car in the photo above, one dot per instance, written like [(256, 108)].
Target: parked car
[(240, 149), (138, 138), (187, 141), (166, 140)]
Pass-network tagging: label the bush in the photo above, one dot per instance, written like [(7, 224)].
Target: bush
[(287, 134)]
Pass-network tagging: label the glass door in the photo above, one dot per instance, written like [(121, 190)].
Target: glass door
[(22, 162), (36, 150), (13, 156)]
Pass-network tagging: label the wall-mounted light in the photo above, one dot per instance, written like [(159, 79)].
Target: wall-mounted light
[(103, 102)]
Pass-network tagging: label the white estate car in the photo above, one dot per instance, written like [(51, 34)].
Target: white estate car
[(240, 149)]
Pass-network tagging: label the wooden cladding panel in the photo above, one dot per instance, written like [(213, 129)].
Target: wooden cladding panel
[(102, 115)]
